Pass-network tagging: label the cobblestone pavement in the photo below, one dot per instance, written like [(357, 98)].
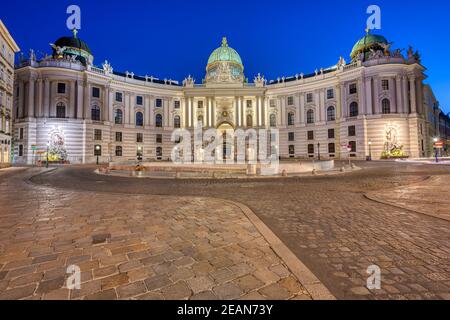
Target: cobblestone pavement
[(131, 247), (429, 197), (328, 223)]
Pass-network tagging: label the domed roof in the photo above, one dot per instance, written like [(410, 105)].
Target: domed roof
[(369, 41), (225, 53), (73, 42)]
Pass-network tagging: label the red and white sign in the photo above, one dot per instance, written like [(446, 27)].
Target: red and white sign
[(439, 145)]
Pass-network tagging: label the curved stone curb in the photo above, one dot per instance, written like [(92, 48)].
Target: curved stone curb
[(312, 284), (371, 196)]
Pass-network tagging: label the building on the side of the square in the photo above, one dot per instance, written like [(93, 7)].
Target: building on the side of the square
[(8, 48), (373, 105)]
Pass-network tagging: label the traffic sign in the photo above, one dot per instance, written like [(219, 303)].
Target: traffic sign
[(439, 145)]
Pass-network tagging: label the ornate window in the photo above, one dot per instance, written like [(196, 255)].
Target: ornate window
[(353, 89), (139, 119), (310, 117), (386, 106), (118, 116), (249, 120), (95, 113), (290, 101), (139, 100), (61, 110), (118, 151), (309, 98), (158, 103), (291, 118), (330, 94), (177, 122), (385, 85), (159, 121), (331, 114), (273, 120), (354, 112)]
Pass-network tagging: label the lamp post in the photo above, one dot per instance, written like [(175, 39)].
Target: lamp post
[(139, 156), (46, 164), (370, 150), (97, 151), (318, 150), (435, 140)]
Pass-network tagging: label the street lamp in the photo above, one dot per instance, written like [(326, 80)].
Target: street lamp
[(139, 154), (370, 150), (435, 140), (97, 152)]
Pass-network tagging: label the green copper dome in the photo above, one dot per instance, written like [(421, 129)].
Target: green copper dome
[(369, 41), (225, 53)]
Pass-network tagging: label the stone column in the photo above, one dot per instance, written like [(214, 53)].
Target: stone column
[(406, 104), (147, 110), (412, 91), (214, 112), (152, 111), (20, 104), (361, 92), (283, 111), (105, 112), (343, 102), (87, 101), (127, 111), (111, 106), (398, 94), (72, 99), (39, 111), (302, 108), (368, 87), (30, 112), (419, 96), (322, 106), (376, 85), (80, 86), (257, 113), (46, 98), (263, 112)]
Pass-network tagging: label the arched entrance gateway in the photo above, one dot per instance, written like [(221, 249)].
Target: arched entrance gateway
[(227, 151)]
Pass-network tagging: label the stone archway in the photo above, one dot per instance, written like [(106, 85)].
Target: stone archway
[(227, 152)]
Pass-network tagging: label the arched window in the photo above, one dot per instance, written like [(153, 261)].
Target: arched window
[(159, 121), (249, 120), (118, 151), (386, 105), (331, 114), (354, 112), (61, 110), (118, 116), (310, 116), (177, 122), (139, 119), (291, 119), (273, 120), (95, 113)]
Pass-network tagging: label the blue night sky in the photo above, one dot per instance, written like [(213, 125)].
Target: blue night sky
[(172, 39)]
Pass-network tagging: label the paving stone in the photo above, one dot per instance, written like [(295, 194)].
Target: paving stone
[(157, 282), (177, 291), (200, 284), (114, 281), (228, 291), (51, 285), (275, 292), (103, 295), (203, 296), (248, 283), (18, 293), (131, 290)]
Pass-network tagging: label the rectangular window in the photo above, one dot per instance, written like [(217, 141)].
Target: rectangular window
[(310, 135), (21, 134), (291, 151), (159, 138), (21, 150), (290, 101), (61, 88), (176, 104), (249, 103), (118, 136), (309, 98), (119, 96), (331, 148), (200, 105), (351, 131), (352, 145), (331, 134), (310, 149), (330, 94), (118, 151), (139, 100), (291, 136), (97, 135), (158, 103), (385, 85), (353, 89), (139, 137), (273, 103), (95, 92)]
